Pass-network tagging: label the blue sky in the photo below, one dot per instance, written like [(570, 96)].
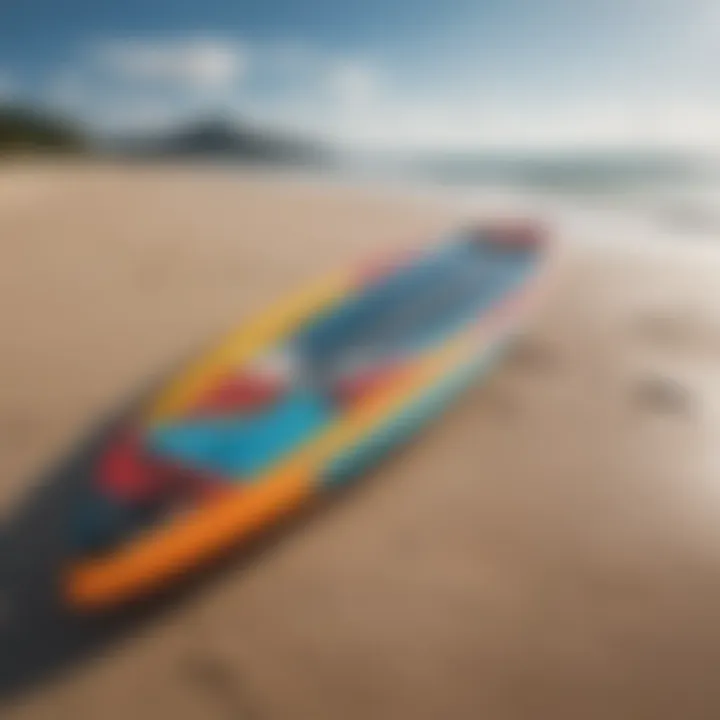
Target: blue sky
[(457, 73)]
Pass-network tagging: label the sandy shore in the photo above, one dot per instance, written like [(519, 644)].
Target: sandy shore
[(549, 550)]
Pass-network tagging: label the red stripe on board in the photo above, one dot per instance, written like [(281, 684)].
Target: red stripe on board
[(128, 473), (238, 393)]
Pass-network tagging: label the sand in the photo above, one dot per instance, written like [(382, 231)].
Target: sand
[(550, 549)]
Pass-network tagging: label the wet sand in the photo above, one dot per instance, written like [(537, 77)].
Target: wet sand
[(550, 549)]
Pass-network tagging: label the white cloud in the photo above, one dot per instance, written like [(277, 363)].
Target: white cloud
[(196, 64), (353, 83)]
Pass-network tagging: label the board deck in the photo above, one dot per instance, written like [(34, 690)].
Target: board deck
[(307, 395)]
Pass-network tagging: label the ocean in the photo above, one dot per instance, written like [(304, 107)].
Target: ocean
[(659, 196)]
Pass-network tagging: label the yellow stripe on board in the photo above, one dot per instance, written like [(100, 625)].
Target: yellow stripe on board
[(243, 344)]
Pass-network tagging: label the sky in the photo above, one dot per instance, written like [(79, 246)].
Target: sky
[(451, 74)]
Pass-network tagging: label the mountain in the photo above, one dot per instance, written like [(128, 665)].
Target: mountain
[(224, 140), (25, 130)]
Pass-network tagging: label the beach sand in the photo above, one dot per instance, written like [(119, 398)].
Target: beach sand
[(549, 549)]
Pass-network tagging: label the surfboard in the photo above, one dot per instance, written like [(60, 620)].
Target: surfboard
[(306, 396)]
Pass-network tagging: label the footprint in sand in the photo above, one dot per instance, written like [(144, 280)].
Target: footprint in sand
[(528, 354), (682, 339), (663, 395), (216, 679), (678, 329)]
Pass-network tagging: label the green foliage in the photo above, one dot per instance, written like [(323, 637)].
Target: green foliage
[(23, 130)]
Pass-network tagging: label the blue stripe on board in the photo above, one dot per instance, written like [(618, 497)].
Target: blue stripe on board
[(345, 322), (495, 286), (418, 306), (238, 447), (355, 461)]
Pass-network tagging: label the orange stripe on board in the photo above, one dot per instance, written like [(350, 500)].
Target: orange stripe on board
[(153, 559)]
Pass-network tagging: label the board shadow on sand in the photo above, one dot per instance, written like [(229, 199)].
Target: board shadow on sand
[(40, 638)]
